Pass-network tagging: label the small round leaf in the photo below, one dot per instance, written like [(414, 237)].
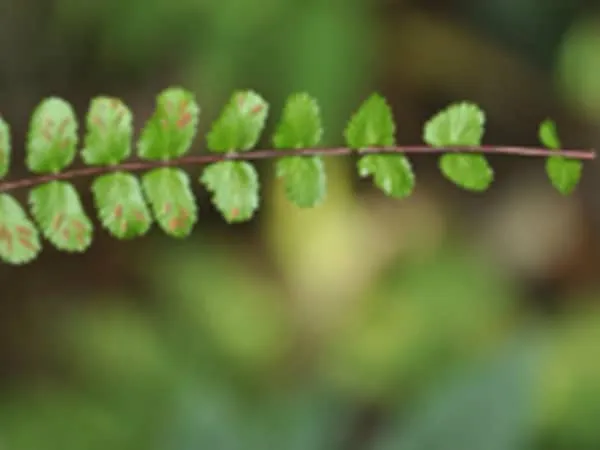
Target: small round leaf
[(469, 171), (58, 211), (170, 131), (19, 238), (121, 205), (393, 174), (564, 173), (5, 148), (52, 137), (235, 188), (372, 125), (109, 132), (304, 179), (460, 125), (172, 200), (300, 126), (240, 125)]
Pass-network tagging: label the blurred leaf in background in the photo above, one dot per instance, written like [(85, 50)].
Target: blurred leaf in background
[(487, 408), (578, 65)]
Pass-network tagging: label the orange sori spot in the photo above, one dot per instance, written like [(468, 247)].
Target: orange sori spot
[(57, 221), (256, 109), (78, 225), (47, 135), (27, 244), (23, 231), (184, 120), (6, 236), (63, 124), (174, 223), (79, 231), (96, 120)]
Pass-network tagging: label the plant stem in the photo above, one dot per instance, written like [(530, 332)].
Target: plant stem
[(210, 158)]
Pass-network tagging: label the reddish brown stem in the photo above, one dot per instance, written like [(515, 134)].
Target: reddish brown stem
[(209, 158)]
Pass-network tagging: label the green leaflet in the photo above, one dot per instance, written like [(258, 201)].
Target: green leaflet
[(239, 126), (5, 149), (548, 135), (235, 189), (171, 129), (52, 137), (393, 174), (486, 408), (121, 205), (109, 132), (460, 124), (172, 200), (372, 125), (471, 172), (564, 173), (300, 127), (304, 180), (19, 238), (57, 209)]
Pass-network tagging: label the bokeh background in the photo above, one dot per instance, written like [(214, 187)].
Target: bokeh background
[(446, 321)]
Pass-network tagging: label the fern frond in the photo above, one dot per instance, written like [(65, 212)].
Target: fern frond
[(127, 205)]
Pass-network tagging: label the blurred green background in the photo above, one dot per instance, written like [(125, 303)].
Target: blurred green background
[(447, 321)]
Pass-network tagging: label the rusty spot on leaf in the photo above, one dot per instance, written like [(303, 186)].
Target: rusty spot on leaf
[(184, 120), (6, 236), (256, 109), (78, 225), (63, 125), (96, 120), (27, 244), (47, 134), (24, 231), (79, 229), (139, 215), (118, 212), (173, 224), (57, 221)]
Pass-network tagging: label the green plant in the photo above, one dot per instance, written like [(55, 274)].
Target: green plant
[(127, 207)]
